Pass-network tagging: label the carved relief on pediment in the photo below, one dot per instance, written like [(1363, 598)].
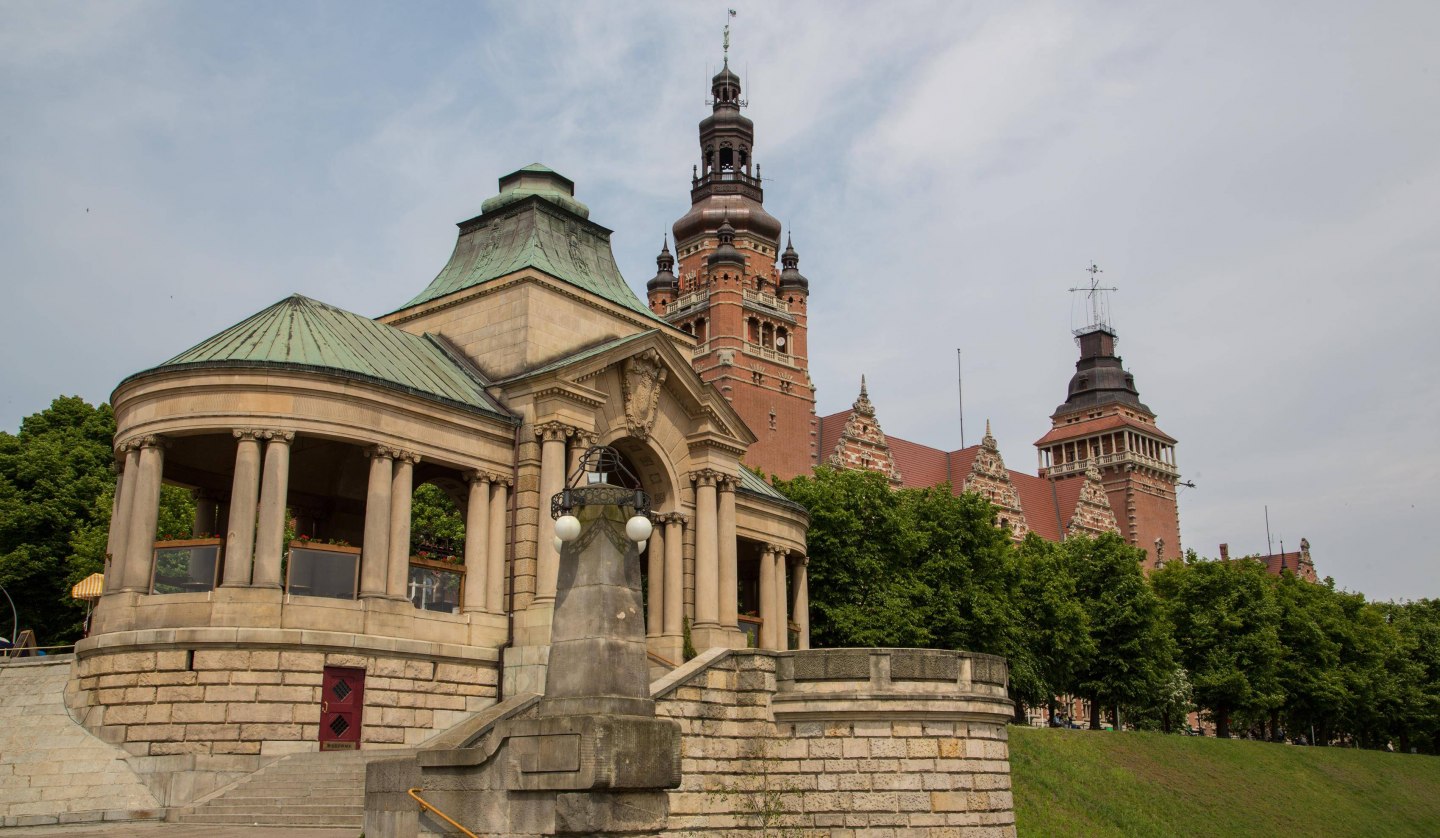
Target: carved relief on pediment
[(643, 379)]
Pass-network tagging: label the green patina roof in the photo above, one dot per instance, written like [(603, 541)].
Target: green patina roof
[(306, 334), (757, 485), (535, 222)]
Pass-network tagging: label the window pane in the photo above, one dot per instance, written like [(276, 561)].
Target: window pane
[(434, 590), (182, 569), (322, 573)]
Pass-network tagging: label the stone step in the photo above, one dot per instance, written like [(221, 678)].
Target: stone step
[(356, 819), (283, 807)]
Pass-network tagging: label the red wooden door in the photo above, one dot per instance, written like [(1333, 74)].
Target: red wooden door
[(342, 699)]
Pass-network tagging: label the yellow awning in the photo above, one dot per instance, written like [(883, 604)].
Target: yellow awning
[(90, 587)]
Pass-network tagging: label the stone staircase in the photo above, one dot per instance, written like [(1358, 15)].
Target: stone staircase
[(325, 789), (52, 770)]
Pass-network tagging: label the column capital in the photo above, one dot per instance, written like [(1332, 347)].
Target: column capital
[(248, 433), (406, 456), (380, 452), (136, 443), (276, 435), (677, 518), (726, 482), (496, 478), (706, 477), (553, 431), (780, 552)]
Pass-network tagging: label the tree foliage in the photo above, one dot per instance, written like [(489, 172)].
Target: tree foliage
[(57, 482)]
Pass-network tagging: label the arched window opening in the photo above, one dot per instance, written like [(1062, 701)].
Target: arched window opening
[(700, 329), (752, 330), (437, 551), (767, 336), (727, 159), (782, 341)]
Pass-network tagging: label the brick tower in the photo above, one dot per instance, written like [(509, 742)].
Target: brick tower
[(747, 316), (1104, 425)]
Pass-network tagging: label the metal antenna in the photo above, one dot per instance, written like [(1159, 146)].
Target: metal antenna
[(1094, 292), (960, 380), (1269, 545)]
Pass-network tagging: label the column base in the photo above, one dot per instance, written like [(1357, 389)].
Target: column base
[(670, 647), (708, 637)]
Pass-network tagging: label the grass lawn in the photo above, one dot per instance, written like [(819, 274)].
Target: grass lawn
[(1072, 782)]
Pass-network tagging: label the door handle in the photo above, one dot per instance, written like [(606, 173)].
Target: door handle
[(324, 707)]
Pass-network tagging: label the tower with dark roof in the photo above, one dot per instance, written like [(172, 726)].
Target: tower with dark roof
[(747, 314), (1102, 425)]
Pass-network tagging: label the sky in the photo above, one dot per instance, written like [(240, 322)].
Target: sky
[(1260, 182)]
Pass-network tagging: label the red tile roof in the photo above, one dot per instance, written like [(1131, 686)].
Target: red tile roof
[(1048, 507), (1104, 423)]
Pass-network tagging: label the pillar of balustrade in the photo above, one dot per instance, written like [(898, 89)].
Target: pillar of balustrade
[(375, 552), (270, 529), (729, 572), (552, 479), (495, 567), (674, 616), (655, 580), (767, 598), (144, 514), (402, 486), (120, 519), (782, 601), (707, 554), (244, 500), (801, 586), (477, 542)]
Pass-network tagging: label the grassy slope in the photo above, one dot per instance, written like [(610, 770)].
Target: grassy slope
[(1070, 782)]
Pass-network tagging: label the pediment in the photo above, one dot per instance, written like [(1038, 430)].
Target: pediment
[(651, 367)]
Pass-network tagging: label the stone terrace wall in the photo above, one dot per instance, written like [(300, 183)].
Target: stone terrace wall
[(745, 774), (196, 719)]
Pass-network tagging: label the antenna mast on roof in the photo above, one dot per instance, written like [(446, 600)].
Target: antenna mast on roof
[(1099, 303), (960, 380)]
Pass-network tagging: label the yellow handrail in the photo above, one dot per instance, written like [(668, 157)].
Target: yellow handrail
[(415, 793)]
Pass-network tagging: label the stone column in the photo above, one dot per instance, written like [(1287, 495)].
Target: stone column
[(375, 552), (495, 568), (244, 499), (767, 598), (120, 520), (801, 587), (144, 513), (477, 542), (674, 619), (655, 589), (707, 558), (782, 604), (552, 479), (274, 488), (402, 486), (579, 444), (729, 574), (205, 508)]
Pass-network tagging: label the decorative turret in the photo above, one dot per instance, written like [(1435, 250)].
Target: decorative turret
[(791, 280), (725, 253), (661, 291)]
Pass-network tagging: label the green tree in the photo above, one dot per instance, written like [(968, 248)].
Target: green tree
[(1226, 623), (1133, 655), (1054, 629), (864, 589), (57, 480), (435, 520)]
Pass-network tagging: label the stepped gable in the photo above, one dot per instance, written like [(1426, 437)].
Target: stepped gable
[(1091, 513), (534, 222), (860, 442), (989, 478)]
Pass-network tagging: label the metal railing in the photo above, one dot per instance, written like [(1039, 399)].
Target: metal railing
[(424, 804)]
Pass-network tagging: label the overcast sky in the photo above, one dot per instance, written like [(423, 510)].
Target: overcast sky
[(1260, 180)]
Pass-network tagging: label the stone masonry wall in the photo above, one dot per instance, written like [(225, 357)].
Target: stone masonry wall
[(267, 702), (746, 775)]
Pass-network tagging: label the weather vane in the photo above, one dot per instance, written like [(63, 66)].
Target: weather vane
[(1093, 293), (727, 35)]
